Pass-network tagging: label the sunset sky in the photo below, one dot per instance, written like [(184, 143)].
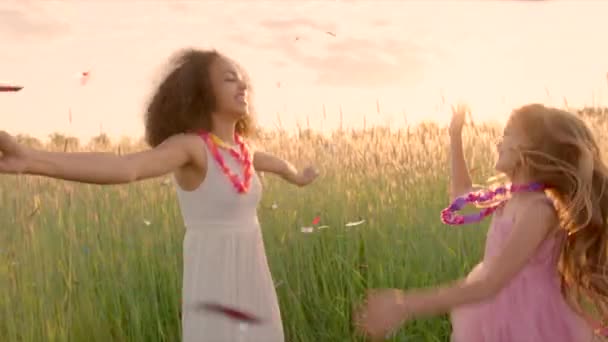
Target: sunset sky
[(406, 54)]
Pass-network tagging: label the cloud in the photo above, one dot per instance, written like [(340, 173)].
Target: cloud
[(357, 62), (290, 24), (341, 60), (20, 24), (379, 23), (178, 6)]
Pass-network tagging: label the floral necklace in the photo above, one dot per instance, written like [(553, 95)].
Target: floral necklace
[(243, 157), (449, 215)]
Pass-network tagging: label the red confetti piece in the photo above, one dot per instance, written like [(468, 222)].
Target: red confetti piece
[(316, 220), (9, 88), (231, 313), (84, 77)]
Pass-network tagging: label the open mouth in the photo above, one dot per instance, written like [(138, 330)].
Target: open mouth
[(241, 98)]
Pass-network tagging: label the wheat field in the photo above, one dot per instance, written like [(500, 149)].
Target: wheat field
[(91, 263)]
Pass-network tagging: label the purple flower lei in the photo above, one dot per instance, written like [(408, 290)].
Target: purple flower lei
[(450, 216)]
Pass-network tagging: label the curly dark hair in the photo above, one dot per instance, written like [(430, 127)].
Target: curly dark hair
[(184, 100)]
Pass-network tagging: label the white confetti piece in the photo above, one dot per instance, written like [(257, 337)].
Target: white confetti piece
[(307, 229), (147, 223), (354, 224), (274, 206), (322, 227)]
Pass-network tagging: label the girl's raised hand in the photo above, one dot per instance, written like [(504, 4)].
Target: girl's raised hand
[(12, 154)]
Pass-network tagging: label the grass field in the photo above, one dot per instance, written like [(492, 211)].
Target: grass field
[(91, 263)]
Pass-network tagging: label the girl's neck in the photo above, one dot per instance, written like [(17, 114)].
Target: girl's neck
[(224, 130)]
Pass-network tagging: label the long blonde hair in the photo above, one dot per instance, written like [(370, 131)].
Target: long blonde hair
[(563, 154)]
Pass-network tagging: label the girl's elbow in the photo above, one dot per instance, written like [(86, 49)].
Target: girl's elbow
[(129, 173), (489, 288)]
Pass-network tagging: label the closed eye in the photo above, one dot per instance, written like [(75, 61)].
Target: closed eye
[(231, 76)]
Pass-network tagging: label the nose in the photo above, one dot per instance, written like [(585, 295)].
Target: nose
[(242, 85)]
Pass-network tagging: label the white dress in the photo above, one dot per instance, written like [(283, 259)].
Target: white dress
[(225, 260)]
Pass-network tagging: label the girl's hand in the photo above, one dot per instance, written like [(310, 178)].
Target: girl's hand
[(382, 313), (459, 114), (13, 156), (307, 176), (266, 162)]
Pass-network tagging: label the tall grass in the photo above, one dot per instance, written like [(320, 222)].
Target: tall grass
[(91, 263)]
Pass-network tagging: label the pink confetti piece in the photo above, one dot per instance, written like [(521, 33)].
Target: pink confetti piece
[(232, 313), (10, 88), (84, 77), (316, 220)]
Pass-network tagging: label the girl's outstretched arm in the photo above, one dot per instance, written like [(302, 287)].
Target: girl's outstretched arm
[(460, 180), (385, 310), (266, 162), (95, 167), (530, 229)]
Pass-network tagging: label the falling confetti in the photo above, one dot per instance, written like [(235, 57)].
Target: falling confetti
[(307, 229), (274, 206), (232, 313), (10, 88), (354, 224), (316, 220), (322, 227), (84, 77), (147, 223)]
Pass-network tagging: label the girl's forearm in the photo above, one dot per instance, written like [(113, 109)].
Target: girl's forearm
[(460, 180), (430, 302), (289, 173)]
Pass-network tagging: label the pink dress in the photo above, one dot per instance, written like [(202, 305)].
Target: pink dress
[(530, 308)]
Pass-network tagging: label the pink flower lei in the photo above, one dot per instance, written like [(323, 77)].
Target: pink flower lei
[(243, 157), (450, 214)]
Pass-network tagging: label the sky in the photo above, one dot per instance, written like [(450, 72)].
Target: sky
[(413, 58)]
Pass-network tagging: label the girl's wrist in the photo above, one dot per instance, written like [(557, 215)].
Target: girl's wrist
[(456, 135), (407, 306)]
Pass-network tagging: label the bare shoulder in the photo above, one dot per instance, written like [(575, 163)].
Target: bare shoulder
[(191, 175), (191, 143), (539, 206), (185, 139)]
